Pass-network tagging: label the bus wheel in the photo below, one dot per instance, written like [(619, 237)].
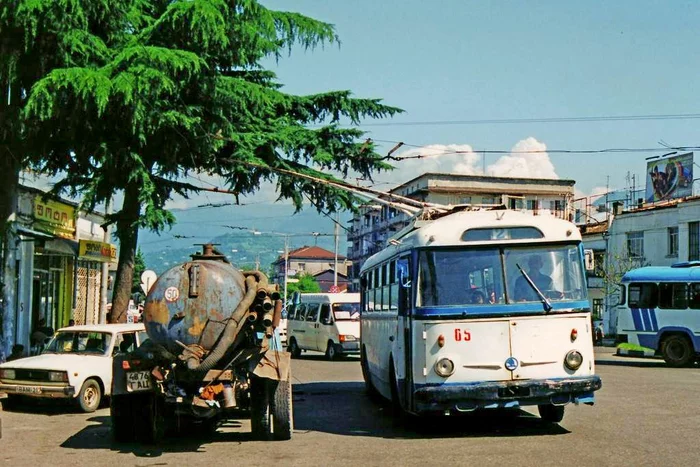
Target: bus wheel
[(369, 387), (551, 413), (677, 351), (293, 348)]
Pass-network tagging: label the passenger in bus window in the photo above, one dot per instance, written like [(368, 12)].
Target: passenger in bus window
[(477, 297), (523, 290)]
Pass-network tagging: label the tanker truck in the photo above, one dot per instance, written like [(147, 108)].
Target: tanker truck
[(212, 354)]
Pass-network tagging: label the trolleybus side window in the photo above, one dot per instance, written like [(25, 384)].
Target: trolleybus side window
[(393, 287), (673, 295), (694, 301), (643, 295)]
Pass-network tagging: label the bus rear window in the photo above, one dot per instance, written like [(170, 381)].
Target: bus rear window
[(643, 295)]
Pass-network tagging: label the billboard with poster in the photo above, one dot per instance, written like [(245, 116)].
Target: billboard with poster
[(670, 178)]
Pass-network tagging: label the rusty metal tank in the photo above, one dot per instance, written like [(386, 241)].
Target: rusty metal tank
[(190, 303)]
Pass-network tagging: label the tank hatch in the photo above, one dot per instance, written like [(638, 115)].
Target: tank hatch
[(210, 253)]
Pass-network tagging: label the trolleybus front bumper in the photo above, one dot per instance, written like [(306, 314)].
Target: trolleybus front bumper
[(465, 397)]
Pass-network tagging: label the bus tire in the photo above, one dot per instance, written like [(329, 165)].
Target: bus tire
[(331, 351), (371, 391), (551, 413), (677, 351), (293, 348)]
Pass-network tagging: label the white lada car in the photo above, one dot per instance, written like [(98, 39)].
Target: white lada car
[(76, 363)]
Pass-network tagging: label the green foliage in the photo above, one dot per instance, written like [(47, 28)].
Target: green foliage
[(307, 284)]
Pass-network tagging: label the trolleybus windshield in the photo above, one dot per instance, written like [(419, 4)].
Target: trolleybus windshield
[(487, 276)]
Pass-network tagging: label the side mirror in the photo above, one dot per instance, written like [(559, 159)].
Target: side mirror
[(327, 321), (403, 275)]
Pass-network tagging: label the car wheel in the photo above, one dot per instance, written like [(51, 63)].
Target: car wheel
[(551, 413), (90, 396), (331, 352), (293, 348), (677, 351)]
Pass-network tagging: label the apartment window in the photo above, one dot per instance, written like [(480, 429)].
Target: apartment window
[(693, 241), (673, 241), (635, 244)]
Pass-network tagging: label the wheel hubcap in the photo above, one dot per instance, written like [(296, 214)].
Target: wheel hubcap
[(90, 396)]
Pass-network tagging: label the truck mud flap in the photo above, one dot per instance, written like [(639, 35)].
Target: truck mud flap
[(273, 365)]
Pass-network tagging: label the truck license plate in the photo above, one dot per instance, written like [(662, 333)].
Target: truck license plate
[(29, 389), (138, 381)]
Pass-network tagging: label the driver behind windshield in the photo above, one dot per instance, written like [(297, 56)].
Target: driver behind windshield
[(523, 290)]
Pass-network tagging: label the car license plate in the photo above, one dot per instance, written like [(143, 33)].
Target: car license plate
[(29, 389), (138, 381)]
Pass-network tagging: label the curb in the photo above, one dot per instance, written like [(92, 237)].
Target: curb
[(635, 353)]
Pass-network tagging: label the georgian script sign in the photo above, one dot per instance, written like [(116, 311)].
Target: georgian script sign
[(54, 217), (97, 251)]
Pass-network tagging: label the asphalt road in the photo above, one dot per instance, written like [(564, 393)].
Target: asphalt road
[(646, 414)]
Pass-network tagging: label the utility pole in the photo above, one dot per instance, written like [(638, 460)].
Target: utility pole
[(335, 259), (286, 266), (104, 281)]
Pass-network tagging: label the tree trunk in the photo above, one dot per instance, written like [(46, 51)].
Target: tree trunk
[(127, 232), (9, 182)]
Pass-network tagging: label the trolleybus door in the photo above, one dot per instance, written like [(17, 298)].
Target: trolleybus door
[(404, 332)]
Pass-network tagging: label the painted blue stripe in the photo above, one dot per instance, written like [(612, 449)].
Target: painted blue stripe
[(654, 323), (645, 318), (637, 319)]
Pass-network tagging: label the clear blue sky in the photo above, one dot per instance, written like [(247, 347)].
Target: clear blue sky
[(467, 60)]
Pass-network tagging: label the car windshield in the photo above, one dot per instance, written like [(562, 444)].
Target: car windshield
[(85, 342), (457, 277), (346, 311)]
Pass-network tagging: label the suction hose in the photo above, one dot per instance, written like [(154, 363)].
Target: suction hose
[(231, 330)]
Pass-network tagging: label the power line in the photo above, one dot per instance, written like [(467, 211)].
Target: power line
[(508, 121)]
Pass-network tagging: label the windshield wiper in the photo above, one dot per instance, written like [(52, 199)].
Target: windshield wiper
[(546, 304)]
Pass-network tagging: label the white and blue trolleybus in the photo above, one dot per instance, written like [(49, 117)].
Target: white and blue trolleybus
[(659, 308), (479, 309)]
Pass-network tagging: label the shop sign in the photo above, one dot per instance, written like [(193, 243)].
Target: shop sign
[(97, 251), (54, 217)]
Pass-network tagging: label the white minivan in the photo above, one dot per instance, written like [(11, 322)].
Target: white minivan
[(326, 322)]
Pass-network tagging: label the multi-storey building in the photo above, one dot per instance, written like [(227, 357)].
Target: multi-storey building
[(374, 224)]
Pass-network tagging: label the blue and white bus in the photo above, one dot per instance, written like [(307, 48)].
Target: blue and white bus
[(659, 309), (479, 309)]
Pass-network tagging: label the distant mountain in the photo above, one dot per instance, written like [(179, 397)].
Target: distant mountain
[(256, 232)]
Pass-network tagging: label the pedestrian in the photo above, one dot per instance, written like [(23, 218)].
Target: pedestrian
[(71, 322), (17, 352)]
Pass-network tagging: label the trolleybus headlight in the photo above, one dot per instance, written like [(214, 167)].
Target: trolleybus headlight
[(573, 360), (444, 367)]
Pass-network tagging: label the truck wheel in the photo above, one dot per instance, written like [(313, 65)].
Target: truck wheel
[(149, 417), (282, 413), (260, 409), (677, 351), (551, 413), (293, 348), (331, 352), (122, 419), (90, 396)]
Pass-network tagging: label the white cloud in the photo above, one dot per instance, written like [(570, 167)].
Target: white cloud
[(447, 158), (522, 164)]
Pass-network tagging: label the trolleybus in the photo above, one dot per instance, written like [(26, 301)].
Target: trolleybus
[(659, 309), (479, 309)]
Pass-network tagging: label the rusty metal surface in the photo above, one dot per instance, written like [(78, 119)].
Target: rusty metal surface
[(171, 314)]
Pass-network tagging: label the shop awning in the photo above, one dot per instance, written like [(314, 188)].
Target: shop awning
[(27, 232), (61, 246)]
